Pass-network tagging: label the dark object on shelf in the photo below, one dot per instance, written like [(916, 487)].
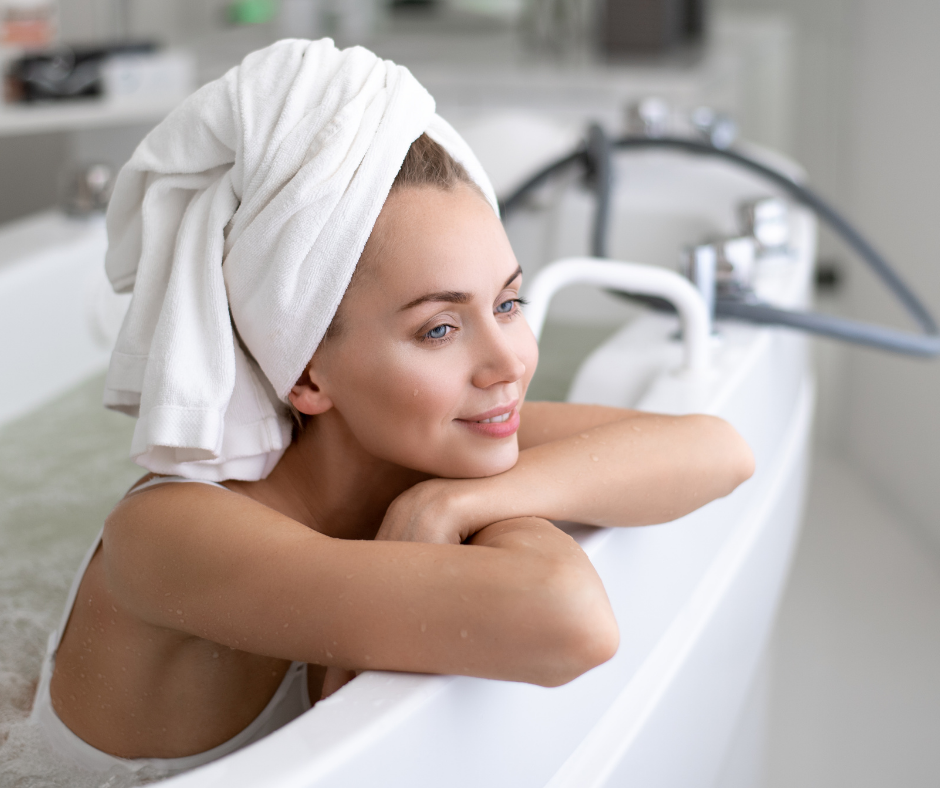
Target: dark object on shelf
[(694, 19), (630, 27), (64, 73)]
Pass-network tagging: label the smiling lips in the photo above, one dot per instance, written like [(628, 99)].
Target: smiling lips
[(501, 422)]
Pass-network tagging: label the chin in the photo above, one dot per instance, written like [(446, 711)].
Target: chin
[(476, 465)]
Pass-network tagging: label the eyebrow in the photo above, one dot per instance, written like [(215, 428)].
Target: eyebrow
[(452, 296)]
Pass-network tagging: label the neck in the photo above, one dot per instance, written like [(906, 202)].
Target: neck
[(329, 482)]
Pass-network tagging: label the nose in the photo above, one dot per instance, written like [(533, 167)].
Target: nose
[(497, 359)]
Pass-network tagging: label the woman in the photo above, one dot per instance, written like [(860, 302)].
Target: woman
[(405, 524)]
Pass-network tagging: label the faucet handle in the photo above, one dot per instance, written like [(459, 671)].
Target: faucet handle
[(718, 128), (650, 117), (768, 220), (88, 189)]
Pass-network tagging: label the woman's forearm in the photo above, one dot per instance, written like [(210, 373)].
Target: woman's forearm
[(637, 471)]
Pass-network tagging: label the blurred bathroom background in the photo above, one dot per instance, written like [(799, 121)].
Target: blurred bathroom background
[(848, 88)]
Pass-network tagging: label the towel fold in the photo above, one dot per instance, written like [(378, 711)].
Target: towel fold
[(237, 224)]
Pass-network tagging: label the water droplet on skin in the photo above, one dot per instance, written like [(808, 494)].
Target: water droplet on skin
[(415, 393), (286, 626), (463, 633), (595, 457), (215, 655), (585, 435), (636, 429), (179, 612), (423, 626), (329, 655)]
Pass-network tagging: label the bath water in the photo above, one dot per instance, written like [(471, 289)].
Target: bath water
[(62, 469)]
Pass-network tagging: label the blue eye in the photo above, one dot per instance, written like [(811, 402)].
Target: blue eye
[(438, 332), (506, 306)]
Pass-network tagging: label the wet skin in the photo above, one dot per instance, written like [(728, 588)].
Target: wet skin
[(407, 528)]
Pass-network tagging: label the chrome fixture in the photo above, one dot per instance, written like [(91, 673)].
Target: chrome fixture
[(768, 221), (726, 267), (649, 117), (717, 128), (88, 189)]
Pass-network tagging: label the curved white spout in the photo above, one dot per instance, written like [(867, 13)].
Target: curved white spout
[(630, 278)]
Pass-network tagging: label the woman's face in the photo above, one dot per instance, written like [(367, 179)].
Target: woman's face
[(433, 356)]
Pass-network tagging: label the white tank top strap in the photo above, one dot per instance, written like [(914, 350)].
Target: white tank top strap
[(290, 700), (158, 480)]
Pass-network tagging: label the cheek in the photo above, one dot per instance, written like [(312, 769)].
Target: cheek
[(400, 403), (395, 401), (527, 350)]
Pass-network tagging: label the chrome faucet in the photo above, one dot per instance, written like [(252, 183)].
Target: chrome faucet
[(87, 190)]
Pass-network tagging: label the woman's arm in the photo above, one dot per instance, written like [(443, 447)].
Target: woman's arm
[(590, 464), (521, 602)]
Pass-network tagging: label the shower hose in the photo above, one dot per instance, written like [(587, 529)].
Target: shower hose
[(595, 155)]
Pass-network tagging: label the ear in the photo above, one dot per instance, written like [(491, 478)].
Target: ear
[(307, 396)]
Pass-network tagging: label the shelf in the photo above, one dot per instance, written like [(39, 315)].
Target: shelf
[(19, 120)]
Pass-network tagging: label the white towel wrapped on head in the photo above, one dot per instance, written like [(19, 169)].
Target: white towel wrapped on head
[(250, 204)]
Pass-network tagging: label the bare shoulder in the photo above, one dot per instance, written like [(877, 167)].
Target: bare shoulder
[(543, 422), (169, 513), (185, 540)]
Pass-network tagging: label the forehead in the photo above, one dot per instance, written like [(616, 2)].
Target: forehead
[(432, 239)]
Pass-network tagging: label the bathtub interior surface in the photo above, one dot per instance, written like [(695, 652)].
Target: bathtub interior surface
[(62, 468)]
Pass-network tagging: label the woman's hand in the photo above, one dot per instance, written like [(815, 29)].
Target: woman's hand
[(437, 511)]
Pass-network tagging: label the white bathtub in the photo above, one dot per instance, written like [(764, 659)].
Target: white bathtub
[(695, 599)]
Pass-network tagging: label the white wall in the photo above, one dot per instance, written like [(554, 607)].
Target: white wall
[(867, 117), (894, 415)]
